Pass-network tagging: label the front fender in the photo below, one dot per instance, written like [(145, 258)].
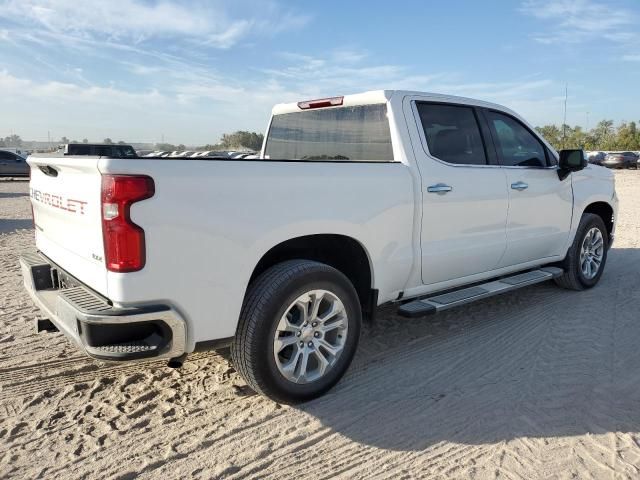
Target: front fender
[(591, 185)]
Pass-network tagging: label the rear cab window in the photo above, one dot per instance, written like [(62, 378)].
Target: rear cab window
[(342, 134)]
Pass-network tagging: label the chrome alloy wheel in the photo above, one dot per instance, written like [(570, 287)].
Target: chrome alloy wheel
[(591, 253), (310, 336)]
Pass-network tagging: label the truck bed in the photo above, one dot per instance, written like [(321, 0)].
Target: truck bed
[(211, 220)]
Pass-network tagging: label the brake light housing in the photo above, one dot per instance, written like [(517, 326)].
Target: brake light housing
[(321, 103), (124, 241)]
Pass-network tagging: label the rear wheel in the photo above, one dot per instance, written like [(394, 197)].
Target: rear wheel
[(587, 256), (298, 331)]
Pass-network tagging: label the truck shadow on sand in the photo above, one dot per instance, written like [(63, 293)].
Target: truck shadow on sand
[(540, 362), (11, 225)]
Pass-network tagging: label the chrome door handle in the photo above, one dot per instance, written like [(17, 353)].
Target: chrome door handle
[(519, 186), (439, 188)]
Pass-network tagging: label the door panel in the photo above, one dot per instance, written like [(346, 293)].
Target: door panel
[(21, 166), (539, 217), (465, 200), (4, 163), (463, 231), (540, 205)]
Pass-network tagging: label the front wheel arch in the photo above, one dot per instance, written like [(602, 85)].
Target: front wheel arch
[(605, 212), (573, 278)]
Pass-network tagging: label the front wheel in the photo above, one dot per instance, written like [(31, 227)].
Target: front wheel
[(298, 331), (587, 256)]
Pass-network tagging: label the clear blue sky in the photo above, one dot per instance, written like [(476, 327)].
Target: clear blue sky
[(191, 70)]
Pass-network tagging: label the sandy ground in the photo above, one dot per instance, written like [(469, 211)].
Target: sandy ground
[(541, 383)]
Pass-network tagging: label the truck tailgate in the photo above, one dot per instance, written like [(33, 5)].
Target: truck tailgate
[(65, 196)]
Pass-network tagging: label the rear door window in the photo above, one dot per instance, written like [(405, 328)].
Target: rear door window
[(453, 134), (348, 134)]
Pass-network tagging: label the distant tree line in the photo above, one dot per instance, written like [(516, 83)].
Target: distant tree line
[(11, 141), (170, 147), (240, 140), (15, 141), (604, 136)]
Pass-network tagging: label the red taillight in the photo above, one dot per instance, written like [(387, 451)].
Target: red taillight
[(124, 245), (320, 103)]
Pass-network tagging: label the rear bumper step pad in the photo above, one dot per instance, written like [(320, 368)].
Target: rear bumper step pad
[(97, 327)]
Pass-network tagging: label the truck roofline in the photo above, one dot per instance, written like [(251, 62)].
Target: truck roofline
[(365, 98), (383, 96)]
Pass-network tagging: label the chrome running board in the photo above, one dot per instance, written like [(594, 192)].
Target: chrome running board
[(437, 303)]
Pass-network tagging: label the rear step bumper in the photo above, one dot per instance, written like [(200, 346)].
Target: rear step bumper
[(435, 304), (92, 323)]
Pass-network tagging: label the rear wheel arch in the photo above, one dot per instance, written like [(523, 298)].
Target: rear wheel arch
[(341, 252), (275, 340)]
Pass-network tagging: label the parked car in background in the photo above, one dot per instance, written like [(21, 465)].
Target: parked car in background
[(621, 160), (596, 158), (20, 151), (13, 165), (100, 150)]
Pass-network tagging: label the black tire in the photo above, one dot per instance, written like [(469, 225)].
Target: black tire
[(265, 303), (573, 277)]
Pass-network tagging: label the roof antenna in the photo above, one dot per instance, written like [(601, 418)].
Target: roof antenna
[(564, 122)]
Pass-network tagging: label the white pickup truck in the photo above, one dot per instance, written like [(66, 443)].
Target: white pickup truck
[(429, 201)]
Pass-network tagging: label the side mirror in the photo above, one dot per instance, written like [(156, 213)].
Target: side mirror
[(570, 161)]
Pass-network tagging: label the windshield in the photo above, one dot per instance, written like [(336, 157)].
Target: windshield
[(359, 133)]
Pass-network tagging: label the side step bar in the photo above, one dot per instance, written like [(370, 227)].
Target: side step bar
[(430, 305)]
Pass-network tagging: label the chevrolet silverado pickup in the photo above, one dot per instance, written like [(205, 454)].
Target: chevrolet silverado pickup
[(428, 201)]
